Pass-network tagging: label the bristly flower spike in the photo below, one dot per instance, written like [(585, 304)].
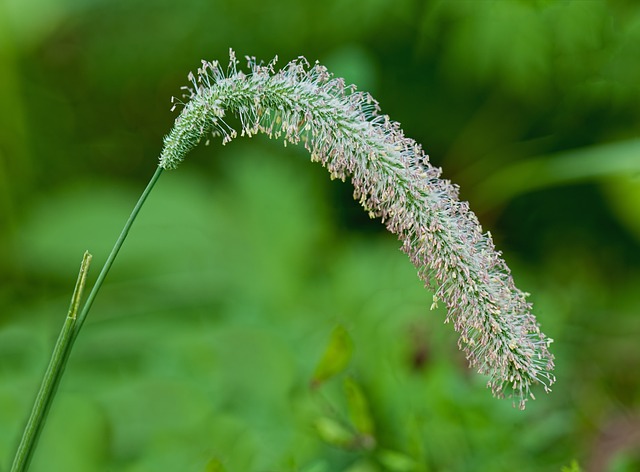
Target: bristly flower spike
[(393, 180)]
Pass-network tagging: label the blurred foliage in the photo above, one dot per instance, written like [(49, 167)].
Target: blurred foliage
[(210, 348)]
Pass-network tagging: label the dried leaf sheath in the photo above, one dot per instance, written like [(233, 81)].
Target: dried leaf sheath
[(393, 180)]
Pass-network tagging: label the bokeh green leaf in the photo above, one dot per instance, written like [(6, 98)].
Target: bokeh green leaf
[(335, 358)]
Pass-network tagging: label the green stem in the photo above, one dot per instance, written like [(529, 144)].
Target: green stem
[(68, 335), (49, 383), (114, 252)]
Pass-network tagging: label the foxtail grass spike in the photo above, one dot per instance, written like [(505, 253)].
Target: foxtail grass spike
[(393, 180)]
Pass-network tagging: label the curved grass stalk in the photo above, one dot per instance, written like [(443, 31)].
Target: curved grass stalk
[(393, 180)]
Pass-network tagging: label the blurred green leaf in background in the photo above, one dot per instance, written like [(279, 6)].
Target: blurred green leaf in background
[(202, 346)]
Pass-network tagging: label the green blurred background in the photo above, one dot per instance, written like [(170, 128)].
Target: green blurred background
[(248, 264)]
